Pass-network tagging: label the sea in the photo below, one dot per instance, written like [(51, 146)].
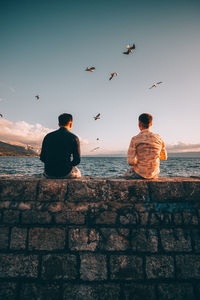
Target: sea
[(113, 167)]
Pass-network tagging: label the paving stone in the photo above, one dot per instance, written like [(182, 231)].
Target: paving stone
[(144, 240), (7, 290), (114, 239), (178, 291), (83, 239), (18, 238), (91, 292), (93, 267), (176, 240), (46, 238), (4, 234), (36, 217), (44, 291), (126, 267), (59, 266), (188, 266), (159, 266), (11, 216), (18, 265), (135, 291)]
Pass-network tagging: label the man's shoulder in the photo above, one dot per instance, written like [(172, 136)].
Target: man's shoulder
[(157, 136)]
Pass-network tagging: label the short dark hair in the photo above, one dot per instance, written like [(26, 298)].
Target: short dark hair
[(64, 119), (145, 119)]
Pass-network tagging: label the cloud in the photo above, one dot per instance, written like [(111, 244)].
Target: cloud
[(183, 147), (22, 132)]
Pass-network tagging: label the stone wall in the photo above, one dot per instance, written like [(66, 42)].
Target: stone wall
[(100, 239)]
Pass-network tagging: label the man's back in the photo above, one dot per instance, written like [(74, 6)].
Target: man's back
[(57, 149)]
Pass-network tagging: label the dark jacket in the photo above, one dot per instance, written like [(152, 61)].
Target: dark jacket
[(60, 152)]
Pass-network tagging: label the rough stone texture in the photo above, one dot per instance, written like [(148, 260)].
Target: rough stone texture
[(55, 266), (18, 265), (159, 266), (7, 290), (91, 292), (144, 240), (18, 238), (83, 239), (183, 291), (46, 238), (176, 240), (44, 291), (4, 234), (93, 267), (114, 239), (188, 266), (135, 291), (100, 238), (126, 267)]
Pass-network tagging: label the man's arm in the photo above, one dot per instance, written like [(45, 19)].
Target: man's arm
[(43, 151), (131, 153), (163, 152), (76, 152)]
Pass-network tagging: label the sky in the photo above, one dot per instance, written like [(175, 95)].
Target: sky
[(47, 45)]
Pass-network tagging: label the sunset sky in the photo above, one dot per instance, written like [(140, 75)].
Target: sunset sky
[(46, 46)]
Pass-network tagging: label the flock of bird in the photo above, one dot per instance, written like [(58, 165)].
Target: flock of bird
[(129, 50)]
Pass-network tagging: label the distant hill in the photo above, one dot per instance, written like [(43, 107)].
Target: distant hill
[(184, 154), (13, 150)]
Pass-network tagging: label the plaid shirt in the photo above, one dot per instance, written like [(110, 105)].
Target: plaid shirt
[(144, 153)]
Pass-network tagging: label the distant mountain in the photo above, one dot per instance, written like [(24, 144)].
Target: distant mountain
[(13, 150), (184, 154)]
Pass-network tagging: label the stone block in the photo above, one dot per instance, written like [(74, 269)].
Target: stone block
[(83, 239), (126, 267), (176, 240), (190, 218), (161, 218), (36, 217), (159, 266), (18, 238), (136, 291), (114, 239), (106, 217), (178, 218), (188, 266), (129, 216), (43, 291), (93, 267), (18, 189), (18, 265), (196, 240), (52, 190), (70, 217), (91, 292), (11, 217), (144, 240), (47, 238), (178, 291), (4, 235), (7, 290), (59, 266)]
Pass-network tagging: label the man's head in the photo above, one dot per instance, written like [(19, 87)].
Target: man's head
[(65, 120), (145, 121)]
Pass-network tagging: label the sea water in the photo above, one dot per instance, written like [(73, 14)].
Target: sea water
[(98, 166)]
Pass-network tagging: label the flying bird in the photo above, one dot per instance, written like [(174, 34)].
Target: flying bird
[(95, 149), (37, 97), (90, 69), (129, 49), (155, 84), (113, 74), (97, 139), (97, 117), (1, 115)]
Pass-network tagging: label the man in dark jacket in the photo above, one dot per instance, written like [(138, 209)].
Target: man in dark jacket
[(61, 151)]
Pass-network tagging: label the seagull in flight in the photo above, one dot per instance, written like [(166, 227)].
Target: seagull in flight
[(113, 74), (155, 84), (129, 49), (37, 97), (1, 115), (97, 139), (95, 149), (90, 69), (97, 117)]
